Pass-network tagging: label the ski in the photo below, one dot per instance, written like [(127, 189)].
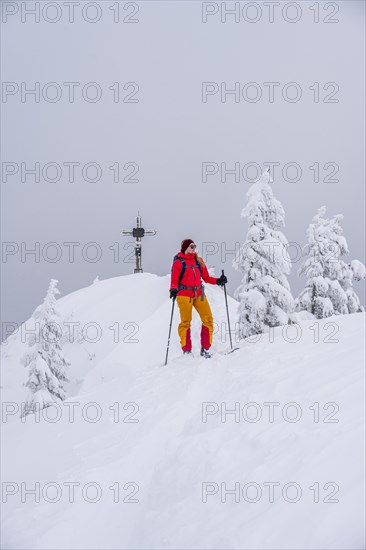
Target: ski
[(191, 356), (229, 351)]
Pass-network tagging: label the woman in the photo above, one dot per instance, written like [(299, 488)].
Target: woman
[(186, 286)]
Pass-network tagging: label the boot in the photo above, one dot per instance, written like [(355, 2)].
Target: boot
[(205, 353)]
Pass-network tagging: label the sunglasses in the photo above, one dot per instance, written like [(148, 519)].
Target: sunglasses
[(192, 246)]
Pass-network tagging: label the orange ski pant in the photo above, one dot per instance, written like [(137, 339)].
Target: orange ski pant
[(203, 309)]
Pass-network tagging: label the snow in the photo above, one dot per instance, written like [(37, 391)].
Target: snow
[(170, 453)]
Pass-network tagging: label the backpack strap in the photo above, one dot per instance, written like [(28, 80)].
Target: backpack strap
[(183, 270), (176, 257)]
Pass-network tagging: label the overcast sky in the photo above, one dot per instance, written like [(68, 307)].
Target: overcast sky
[(162, 138)]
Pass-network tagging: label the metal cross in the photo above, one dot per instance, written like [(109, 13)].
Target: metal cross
[(138, 232)]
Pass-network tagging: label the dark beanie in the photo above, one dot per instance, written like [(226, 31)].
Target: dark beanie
[(185, 245)]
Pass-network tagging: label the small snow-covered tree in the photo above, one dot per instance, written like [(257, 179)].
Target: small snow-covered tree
[(357, 271), (329, 288), (73, 331), (264, 293), (46, 362), (44, 387)]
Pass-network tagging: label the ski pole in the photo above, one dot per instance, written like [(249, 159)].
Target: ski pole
[(170, 329), (227, 311)]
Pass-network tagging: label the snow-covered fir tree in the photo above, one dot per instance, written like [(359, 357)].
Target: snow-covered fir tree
[(264, 293), (45, 360), (329, 280)]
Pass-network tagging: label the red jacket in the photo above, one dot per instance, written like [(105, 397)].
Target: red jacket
[(192, 275)]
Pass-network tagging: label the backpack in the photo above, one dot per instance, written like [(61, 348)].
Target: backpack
[(176, 257)]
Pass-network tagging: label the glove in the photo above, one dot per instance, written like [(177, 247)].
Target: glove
[(222, 280), (173, 293)]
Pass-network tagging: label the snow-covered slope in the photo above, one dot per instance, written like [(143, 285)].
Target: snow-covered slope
[(172, 462)]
